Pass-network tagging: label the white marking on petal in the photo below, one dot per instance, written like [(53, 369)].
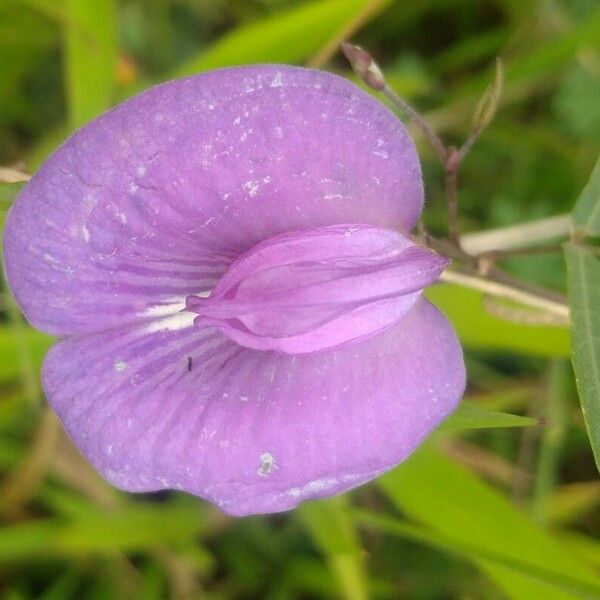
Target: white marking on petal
[(182, 320), (169, 306), (267, 464), (245, 135), (209, 221), (318, 486), (120, 365), (251, 187), (277, 80), (170, 315), (381, 153)]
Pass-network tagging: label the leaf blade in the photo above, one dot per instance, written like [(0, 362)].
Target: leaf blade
[(477, 328), (586, 214), (289, 36), (90, 35), (470, 416), (476, 516), (329, 524), (583, 269)]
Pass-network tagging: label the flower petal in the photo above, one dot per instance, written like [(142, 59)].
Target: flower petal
[(153, 200), (314, 289), (253, 431)]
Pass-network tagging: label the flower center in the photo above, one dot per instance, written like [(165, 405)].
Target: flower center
[(316, 289)]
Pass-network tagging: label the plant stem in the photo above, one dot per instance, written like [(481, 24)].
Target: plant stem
[(517, 236), (449, 157), (451, 179), (466, 147), (496, 282), (552, 439), (480, 274), (432, 137), (12, 175), (513, 252), (501, 290), (497, 307)]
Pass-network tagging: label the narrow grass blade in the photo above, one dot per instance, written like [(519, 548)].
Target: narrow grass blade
[(333, 532), (583, 268)]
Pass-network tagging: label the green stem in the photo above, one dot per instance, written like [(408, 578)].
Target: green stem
[(559, 383)]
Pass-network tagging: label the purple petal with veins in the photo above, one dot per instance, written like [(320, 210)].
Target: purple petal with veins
[(226, 259)]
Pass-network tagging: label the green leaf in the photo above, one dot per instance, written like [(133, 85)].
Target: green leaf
[(583, 270), (333, 532), (290, 36), (136, 527), (522, 559), (530, 580), (577, 103), (37, 344), (586, 214), (8, 192), (587, 549), (478, 329), (90, 34), (470, 416)]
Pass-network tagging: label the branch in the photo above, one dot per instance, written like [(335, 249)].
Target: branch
[(490, 287), (517, 236)]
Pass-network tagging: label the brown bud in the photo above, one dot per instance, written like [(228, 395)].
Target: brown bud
[(364, 66)]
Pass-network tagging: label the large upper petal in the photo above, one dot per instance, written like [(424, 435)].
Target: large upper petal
[(154, 199), (253, 431)]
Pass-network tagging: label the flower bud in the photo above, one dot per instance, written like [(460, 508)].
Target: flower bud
[(364, 66)]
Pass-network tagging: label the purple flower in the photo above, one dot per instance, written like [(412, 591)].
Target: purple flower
[(225, 260)]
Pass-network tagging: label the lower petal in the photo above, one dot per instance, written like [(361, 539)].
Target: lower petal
[(253, 431)]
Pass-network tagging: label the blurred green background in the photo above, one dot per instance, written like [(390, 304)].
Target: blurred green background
[(503, 501)]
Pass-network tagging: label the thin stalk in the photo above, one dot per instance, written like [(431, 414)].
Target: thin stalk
[(500, 254), (451, 180), (517, 236), (559, 381), (432, 137), (501, 290), (495, 282), (468, 144), (516, 314), (13, 175)]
